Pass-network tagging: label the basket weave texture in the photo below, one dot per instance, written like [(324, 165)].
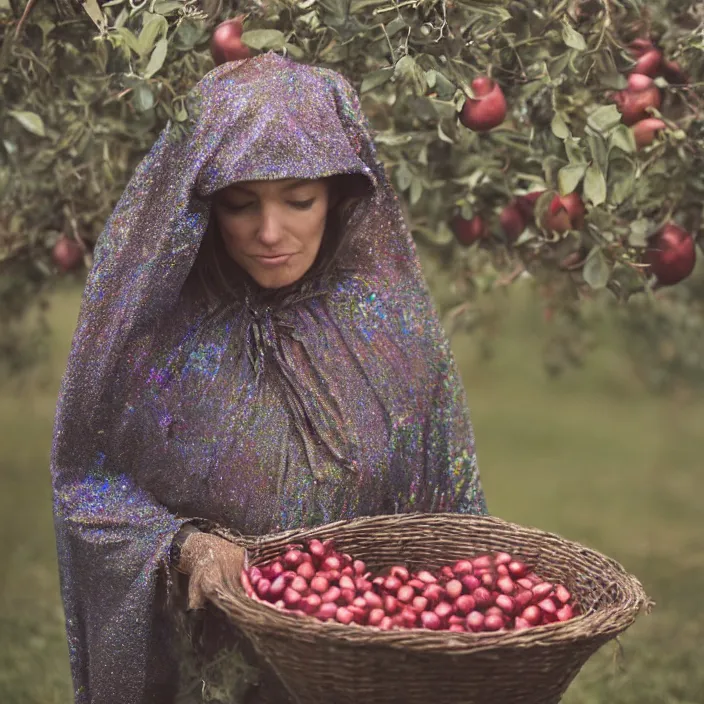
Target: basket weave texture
[(329, 663)]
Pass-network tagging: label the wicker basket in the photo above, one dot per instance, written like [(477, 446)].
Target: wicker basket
[(328, 663)]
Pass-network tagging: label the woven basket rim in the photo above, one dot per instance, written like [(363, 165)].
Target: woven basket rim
[(604, 621)]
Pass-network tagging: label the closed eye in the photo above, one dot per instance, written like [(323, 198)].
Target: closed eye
[(302, 204), (298, 204), (232, 208)]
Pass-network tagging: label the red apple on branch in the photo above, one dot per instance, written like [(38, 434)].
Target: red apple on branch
[(467, 232), (564, 213), (526, 203), (67, 254), (640, 46), (645, 131), (671, 255), (226, 42), (487, 110), (649, 63), (641, 94), (512, 221)]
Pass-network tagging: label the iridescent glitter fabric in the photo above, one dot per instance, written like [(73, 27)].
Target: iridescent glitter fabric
[(339, 400)]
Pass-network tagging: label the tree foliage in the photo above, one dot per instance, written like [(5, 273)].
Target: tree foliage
[(87, 89)]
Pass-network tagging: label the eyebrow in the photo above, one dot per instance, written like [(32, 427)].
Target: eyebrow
[(289, 187)]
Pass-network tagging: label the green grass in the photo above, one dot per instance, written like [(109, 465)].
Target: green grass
[(591, 456)]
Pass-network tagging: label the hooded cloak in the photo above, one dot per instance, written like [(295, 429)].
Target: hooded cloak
[(337, 400)]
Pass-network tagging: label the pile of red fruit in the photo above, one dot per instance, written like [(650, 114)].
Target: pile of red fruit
[(486, 593)]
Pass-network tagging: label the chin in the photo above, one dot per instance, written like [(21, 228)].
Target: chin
[(273, 280)]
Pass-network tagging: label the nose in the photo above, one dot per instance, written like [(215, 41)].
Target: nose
[(270, 228)]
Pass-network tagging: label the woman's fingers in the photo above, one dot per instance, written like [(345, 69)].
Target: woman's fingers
[(218, 563), (196, 596), (204, 584)]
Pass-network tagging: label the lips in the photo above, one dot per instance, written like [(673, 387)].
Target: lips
[(275, 260)]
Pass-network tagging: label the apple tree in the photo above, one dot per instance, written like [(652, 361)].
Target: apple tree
[(554, 144)]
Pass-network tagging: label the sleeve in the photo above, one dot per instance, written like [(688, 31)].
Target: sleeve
[(113, 543), (113, 538)]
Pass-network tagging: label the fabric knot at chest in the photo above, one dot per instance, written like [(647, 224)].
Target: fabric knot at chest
[(265, 327), (315, 413)]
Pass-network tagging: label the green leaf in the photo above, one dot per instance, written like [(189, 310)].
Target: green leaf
[(30, 121), (604, 118), (416, 190), (294, 51), (594, 185), (597, 148), (596, 270), (404, 177), (147, 37), (143, 99), (622, 138), (264, 39), (95, 13), (167, 7), (614, 81), (640, 230), (621, 180), (573, 38), (467, 211), (551, 165), (444, 87), (472, 180), (569, 176), (405, 67), (559, 64), (121, 19), (575, 153), (559, 127), (128, 37), (575, 64), (444, 109), (376, 78), (156, 60), (189, 34)]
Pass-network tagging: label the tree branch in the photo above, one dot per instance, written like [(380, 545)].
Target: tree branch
[(28, 8)]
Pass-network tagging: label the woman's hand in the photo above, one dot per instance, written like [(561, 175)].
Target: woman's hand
[(209, 561)]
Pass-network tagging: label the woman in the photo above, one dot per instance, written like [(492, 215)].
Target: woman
[(256, 351)]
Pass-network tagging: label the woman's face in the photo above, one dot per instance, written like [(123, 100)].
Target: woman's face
[(273, 229)]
